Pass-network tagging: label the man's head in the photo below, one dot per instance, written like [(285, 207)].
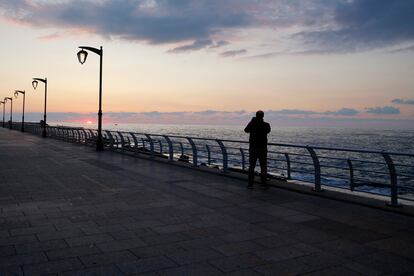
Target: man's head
[(260, 114)]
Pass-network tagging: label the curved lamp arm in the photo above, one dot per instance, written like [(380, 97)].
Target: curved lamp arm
[(39, 79), (16, 92), (95, 50)]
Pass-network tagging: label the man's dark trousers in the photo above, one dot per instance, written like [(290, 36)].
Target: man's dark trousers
[(261, 154)]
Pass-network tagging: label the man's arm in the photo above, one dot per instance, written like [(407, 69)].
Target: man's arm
[(268, 129), (248, 128)]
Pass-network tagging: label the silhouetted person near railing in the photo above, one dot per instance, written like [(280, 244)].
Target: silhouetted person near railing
[(258, 130)]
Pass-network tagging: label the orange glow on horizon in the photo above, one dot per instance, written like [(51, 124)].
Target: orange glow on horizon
[(89, 122)]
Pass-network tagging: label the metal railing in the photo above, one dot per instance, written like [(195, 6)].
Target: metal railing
[(376, 172)]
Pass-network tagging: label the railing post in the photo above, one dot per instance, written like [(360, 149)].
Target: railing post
[(61, 134), (135, 141), (116, 140), (111, 139), (129, 142), (243, 159), (122, 140), (160, 145), (92, 138), (66, 135), (84, 136), (74, 138), (194, 148), (351, 174), (181, 148), (79, 136), (317, 169), (71, 135), (208, 155), (170, 148), (288, 169), (393, 180), (151, 144), (224, 153)]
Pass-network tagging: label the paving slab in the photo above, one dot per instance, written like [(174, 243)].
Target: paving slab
[(67, 209)]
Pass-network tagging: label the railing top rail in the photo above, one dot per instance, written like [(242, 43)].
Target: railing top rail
[(276, 144)]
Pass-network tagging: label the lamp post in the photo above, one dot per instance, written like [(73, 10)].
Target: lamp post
[(4, 108), (82, 55), (16, 94), (35, 82), (11, 110)]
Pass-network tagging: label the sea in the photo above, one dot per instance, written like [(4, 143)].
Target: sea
[(394, 140)]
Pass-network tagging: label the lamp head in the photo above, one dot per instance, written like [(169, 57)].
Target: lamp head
[(82, 55), (16, 94), (34, 84)]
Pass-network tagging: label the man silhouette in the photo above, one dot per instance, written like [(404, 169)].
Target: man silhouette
[(258, 130)]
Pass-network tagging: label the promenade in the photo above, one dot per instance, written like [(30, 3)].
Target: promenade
[(69, 210)]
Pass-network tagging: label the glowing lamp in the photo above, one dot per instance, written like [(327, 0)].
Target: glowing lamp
[(82, 55)]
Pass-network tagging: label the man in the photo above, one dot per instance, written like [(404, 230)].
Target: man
[(258, 130)]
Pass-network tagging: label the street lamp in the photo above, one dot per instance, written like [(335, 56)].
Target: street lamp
[(82, 55), (16, 94), (11, 110), (35, 82), (4, 108)]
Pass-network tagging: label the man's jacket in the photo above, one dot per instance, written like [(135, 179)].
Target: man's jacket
[(258, 130)]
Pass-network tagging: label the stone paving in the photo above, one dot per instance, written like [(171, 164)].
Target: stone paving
[(68, 210)]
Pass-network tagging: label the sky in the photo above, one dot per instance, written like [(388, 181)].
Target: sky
[(308, 62)]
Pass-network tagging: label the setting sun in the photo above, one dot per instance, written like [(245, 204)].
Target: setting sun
[(89, 122)]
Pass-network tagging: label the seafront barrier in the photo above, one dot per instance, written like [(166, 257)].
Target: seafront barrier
[(389, 174)]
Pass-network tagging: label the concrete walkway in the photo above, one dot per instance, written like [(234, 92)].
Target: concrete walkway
[(66, 209)]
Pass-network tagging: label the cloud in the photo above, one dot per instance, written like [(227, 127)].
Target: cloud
[(219, 44), (198, 45), (340, 112), (207, 112), (401, 101), (385, 110), (343, 112), (291, 112), (402, 49), (313, 27), (166, 21), (233, 53), (286, 117), (360, 25)]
